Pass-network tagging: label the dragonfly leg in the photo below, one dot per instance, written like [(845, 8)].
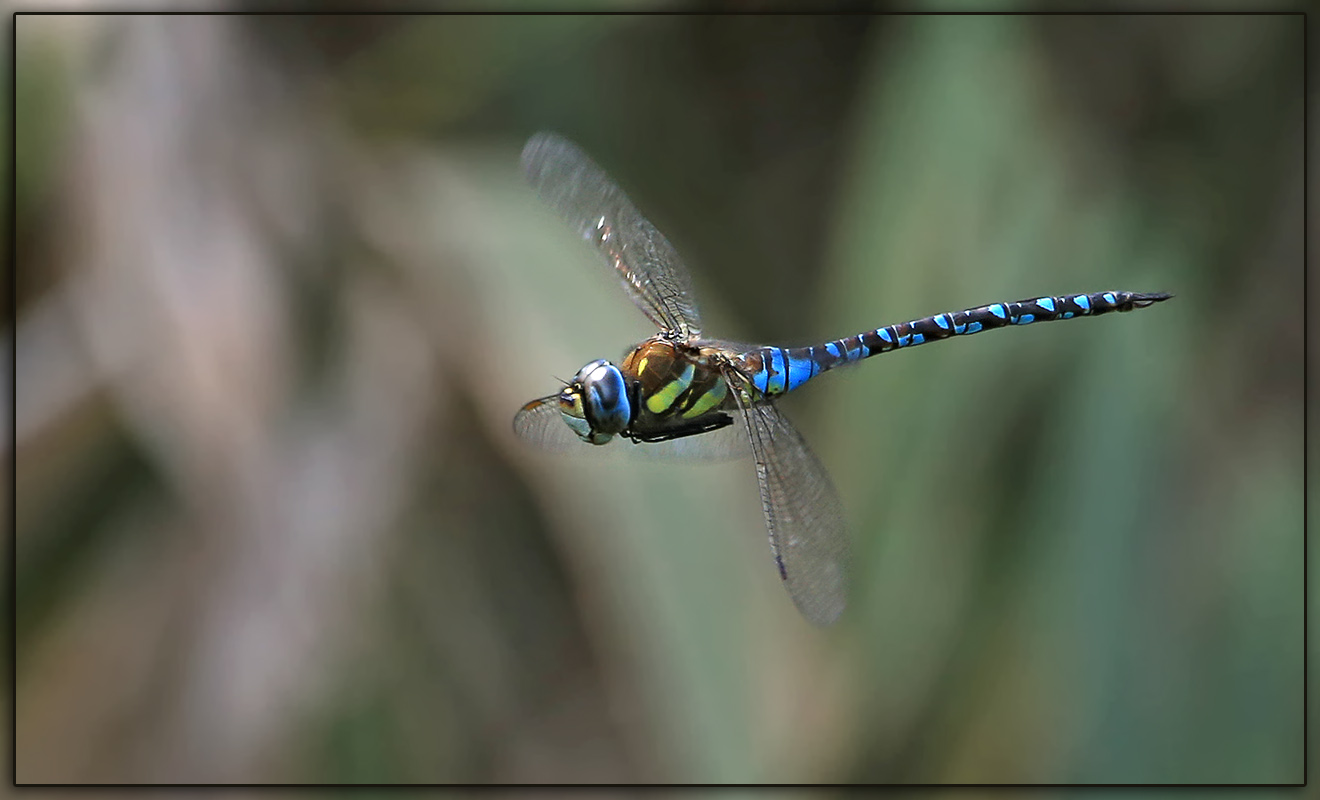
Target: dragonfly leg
[(706, 424)]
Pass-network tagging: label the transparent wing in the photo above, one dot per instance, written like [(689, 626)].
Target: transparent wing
[(651, 271), (808, 538), (540, 423), (727, 345)]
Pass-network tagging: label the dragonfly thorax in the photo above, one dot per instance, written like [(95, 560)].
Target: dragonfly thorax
[(595, 405)]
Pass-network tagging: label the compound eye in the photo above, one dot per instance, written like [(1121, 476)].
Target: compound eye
[(606, 401), (607, 388)]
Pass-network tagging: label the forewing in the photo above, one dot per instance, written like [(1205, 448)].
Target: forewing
[(540, 423), (599, 211), (808, 538)]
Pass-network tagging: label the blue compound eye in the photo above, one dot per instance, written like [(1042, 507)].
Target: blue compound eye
[(596, 404), (606, 399), (605, 396)]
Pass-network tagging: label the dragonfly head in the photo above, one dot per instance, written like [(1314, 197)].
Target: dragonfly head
[(595, 405)]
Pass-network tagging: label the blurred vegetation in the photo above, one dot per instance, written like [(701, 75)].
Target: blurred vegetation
[(280, 289)]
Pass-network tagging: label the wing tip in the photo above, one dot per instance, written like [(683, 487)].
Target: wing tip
[(825, 616), (534, 158)]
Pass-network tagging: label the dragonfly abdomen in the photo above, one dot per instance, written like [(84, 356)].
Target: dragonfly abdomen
[(776, 370)]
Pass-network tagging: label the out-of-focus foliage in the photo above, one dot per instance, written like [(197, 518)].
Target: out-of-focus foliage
[(281, 289)]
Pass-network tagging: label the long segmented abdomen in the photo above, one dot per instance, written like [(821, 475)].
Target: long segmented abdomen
[(776, 370)]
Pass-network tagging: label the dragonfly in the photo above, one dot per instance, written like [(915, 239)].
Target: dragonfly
[(692, 395)]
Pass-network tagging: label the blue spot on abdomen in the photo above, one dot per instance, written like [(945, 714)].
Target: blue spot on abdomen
[(799, 372)]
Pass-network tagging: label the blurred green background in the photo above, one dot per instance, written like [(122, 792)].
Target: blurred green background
[(281, 287)]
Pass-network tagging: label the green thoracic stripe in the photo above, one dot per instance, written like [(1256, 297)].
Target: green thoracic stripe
[(711, 398), (667, 394)]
